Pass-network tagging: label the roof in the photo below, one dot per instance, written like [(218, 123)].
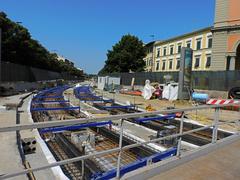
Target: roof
[(183, 36)]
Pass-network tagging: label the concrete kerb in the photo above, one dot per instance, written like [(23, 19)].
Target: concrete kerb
[(57, 171)]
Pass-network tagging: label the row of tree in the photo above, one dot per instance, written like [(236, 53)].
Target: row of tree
[(18, 47)]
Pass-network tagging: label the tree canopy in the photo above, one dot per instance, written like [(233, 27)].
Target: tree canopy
[(18, 47), (125, 55)]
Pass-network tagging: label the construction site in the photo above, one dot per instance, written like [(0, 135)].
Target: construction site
[(176, 117), (87, 133)]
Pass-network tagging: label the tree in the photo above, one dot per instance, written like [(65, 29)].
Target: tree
[(18, 47), (125, 55)]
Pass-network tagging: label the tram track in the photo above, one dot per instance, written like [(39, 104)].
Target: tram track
[(62, 148)]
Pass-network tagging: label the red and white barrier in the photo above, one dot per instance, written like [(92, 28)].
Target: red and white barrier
[(222, 101)]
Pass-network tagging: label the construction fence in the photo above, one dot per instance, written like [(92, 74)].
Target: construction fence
[(204, 80), (11, 72)]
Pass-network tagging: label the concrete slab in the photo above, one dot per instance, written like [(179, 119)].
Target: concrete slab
[(38, 158), (213, 161), (9, 150), (10, 160), (220, 164)]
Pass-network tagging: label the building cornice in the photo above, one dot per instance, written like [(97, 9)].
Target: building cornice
[(184, 35), (225, 28)]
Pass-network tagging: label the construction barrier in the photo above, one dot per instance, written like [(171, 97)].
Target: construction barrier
[(225, 101)]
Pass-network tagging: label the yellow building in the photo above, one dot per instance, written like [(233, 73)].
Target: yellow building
[(215, 48), (149, 57), (166, 54)]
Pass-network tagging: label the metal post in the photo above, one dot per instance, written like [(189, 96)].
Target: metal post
[(120, 152), (113, 97), (82, 169), (180, 137), (215, 125), (238, 122), (17, 116), (79, 106)]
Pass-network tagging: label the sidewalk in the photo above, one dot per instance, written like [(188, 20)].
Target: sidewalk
[(10, 160)]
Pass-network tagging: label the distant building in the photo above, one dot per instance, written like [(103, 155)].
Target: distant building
[(214, 48), (81, 70), (69, 62), (60, 58)]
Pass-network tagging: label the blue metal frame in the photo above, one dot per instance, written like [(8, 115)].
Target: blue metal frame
[(56, 90), (90, 96), (75, 127), (99, 100), (118, 107), (44, 97), (135, 165), (55, 101), (168, 117), (54, 109)]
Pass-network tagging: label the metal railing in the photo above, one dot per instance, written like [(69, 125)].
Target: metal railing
[(121, 118)]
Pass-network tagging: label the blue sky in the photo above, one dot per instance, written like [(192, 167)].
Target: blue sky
[(83, 30)]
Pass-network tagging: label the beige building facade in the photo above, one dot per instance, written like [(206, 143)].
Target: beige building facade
[(215, 48), (226, 35)]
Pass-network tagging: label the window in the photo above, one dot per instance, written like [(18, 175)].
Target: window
[(171, 50), (150, 62), (157, 66), (208, 62), (179, 48), (199, 44), (188, 44), (170, 64), (178, 63), (228, 63), (197, 61), (158, 52), (163, 65), (209, 41), (165, 51)]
